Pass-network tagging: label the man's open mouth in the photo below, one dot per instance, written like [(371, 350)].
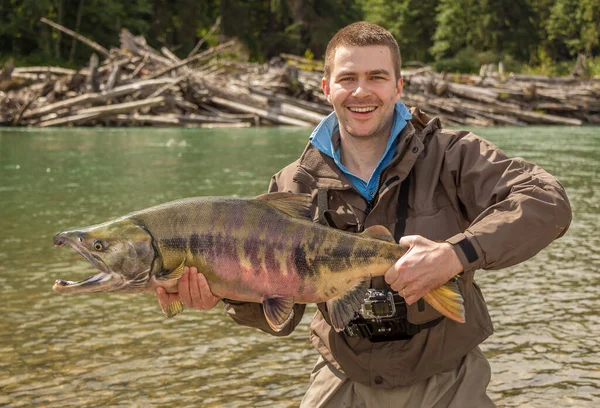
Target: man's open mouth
[(365, 109)]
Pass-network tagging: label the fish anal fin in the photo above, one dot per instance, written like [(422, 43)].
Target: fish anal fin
[(279, 311), (174, 274), (293, 204), (448, 300), (343, 309), (173, 308), (379, 232)]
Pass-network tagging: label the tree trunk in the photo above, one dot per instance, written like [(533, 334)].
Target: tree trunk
[(59, 9), (77, 25)]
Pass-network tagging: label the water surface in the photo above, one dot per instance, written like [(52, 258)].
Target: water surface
[(118, 350)]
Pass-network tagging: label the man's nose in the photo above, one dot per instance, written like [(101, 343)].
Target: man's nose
[(362, 89)]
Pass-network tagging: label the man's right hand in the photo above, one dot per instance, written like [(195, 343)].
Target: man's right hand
[(193, 291)]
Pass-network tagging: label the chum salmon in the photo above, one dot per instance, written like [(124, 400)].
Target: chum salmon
[(265, 249)]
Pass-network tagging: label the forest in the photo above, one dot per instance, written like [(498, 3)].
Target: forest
[(528, 36)]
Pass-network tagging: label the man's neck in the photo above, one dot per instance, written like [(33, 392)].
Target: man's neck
[(361, 155)]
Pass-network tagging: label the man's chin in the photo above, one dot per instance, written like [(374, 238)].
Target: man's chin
[(362, 132)]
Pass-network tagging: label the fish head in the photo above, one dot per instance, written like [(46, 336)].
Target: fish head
[(121, 250)]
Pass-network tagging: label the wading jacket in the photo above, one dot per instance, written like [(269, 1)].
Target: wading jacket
[(494, 210)]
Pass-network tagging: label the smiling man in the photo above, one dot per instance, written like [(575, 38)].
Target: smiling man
[(456, 201)]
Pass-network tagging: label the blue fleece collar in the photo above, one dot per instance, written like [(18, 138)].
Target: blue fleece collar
[(321, 138)]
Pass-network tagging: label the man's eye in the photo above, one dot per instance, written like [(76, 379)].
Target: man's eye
[(346, 79)]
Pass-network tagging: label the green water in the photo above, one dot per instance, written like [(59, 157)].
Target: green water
[(118, 350)]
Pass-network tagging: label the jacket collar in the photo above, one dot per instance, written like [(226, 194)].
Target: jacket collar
[(318, 170)]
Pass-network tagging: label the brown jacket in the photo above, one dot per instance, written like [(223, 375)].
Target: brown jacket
[(462, 187)]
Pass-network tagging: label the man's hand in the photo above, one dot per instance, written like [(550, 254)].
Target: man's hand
[(193, 291), (426, 265)]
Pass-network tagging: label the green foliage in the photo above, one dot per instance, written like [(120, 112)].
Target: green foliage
[(455, 19), (268, 28), (594, 67), (499, 26), (465, 61), (538, 36), (410, 21)]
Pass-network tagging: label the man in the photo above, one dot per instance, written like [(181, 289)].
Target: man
[(454, 199)]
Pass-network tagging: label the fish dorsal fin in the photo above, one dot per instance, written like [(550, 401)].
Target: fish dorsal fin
[(278, 311), (173, 308), (343, 309), (292, 204), (174, 274), (379, 232)]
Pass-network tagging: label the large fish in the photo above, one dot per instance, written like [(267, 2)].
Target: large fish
[(265, 250)]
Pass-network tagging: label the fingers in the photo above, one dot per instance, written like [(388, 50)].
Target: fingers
[(397, 276), (165, 298), (162, 296), (195, 296), (409, 240), (195, 291), (183, 286)]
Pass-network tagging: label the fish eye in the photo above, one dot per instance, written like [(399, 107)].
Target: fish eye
[(99, 245)]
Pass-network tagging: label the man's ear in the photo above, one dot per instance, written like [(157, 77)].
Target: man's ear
[(326, 89), (399, 85)]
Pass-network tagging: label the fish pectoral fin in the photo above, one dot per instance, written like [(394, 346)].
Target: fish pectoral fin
[(293, 204), (174, 274), (379, 232), (173, 308), (278, 311), (343, 309), (448, 301)]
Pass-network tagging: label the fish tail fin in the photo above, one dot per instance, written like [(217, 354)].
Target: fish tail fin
[(342, 309), (448, 300)]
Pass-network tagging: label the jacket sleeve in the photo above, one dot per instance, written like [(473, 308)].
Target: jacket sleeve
[(514, 207), (252, 314)]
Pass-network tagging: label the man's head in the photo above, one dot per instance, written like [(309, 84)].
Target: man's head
[(362, 34), (362, 81)]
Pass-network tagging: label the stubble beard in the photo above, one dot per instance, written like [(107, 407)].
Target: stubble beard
[(380, 131)]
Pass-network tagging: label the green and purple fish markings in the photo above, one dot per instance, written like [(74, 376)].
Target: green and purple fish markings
[(265, 250)]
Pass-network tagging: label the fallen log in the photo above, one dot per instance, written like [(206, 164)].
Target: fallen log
[(169, 120), (206, 37), (69, 120), (99, 96), (272, 115), (45, 70), (206, 54), (123, 107), (94, 45)]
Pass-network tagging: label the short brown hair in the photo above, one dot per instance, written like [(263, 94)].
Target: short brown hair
[(362, 33)]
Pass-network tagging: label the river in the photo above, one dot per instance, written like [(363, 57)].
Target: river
[(118, 350)]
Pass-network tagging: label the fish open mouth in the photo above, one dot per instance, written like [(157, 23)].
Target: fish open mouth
[(104, 281), (64, 286)]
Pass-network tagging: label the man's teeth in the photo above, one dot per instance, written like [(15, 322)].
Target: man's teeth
[(362, 110)]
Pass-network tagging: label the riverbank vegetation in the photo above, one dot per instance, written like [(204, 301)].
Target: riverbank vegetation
[(528, 36), (245, 63)]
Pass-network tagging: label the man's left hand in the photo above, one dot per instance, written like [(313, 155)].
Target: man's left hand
[(426, 265)]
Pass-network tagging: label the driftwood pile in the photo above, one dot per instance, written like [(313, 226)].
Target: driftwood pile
[(137, 85), (496, 99)]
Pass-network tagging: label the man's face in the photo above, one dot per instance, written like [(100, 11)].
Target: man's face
[(363, 90)]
